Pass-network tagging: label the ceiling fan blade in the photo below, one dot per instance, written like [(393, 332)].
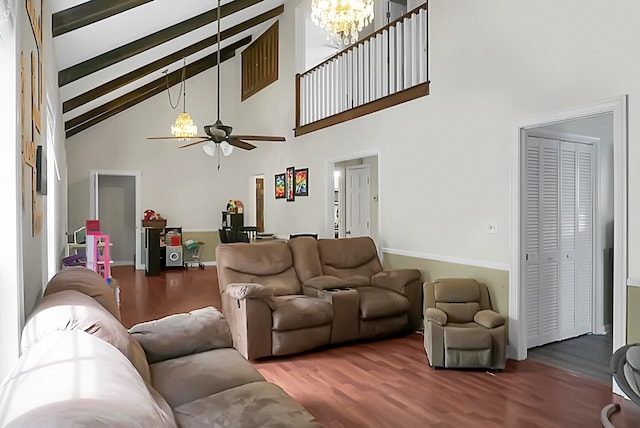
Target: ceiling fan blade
[(258, 138), (193, 143), (235, 141), (174, 138)]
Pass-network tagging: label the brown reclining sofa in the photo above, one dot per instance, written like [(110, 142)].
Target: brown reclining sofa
[(282, 298)]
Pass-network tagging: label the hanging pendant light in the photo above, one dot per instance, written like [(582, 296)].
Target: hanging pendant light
[(183, 128), (343, 19)]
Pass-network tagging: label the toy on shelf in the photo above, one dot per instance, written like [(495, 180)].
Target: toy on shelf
[(153, 219), (235, 206)]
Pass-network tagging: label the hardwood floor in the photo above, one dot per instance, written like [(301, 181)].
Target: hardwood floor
[(388, 383), (586, 355)]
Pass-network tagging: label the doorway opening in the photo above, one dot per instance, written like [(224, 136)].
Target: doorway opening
[(353, 197), (567, 241), (115, 201), (254, 209), (609, 228)]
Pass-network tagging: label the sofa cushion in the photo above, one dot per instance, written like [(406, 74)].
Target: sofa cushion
[(189, 378), (349, 257), (295, 312), (71, 310), (381, 303), (73, 379), (86, 282), (181, 334), (306, 259), (259, 404), (459, 312), (268, 263), (456, 290)]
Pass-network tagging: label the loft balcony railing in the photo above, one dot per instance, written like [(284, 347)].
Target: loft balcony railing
[(384, 69)]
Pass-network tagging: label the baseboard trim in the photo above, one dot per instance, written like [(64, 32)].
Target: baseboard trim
[(448, 259)]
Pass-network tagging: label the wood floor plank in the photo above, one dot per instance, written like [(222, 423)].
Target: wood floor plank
[(388, 383)]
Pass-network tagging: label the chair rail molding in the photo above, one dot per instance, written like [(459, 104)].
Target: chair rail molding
[(448, 259)]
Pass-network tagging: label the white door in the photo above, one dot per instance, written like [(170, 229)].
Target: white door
[(358, 208), (558, 239)]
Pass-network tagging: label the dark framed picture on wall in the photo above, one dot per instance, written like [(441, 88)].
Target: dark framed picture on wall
[(302, 182), (289, 184), (280, 186)]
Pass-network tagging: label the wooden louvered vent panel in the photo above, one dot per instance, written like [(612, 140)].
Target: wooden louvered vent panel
[(260, 63)]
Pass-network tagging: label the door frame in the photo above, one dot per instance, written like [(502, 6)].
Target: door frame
[(329, 192), (517, 348), (94, 204)]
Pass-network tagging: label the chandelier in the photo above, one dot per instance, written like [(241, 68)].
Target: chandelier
[(343, 19), (183, 128)]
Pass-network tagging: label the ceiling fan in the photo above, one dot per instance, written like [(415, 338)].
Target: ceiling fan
[(218, 136)]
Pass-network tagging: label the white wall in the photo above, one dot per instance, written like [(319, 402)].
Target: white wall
[(24, 257), (445, 158), (11, 300)]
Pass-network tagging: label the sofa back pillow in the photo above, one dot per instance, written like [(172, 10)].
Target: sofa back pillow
[(73, 379), (349, 257), (306, 258), (267, 263), (71, 310), (87, 282)]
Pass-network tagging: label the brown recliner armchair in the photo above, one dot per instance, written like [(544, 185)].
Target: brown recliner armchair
[(460, 328)]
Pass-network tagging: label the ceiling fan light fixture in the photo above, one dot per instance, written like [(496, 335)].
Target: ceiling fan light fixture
[(210, 148), (227, 148), (184, 128)]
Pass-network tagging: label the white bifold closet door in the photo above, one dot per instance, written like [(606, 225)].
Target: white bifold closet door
[(558, 239)]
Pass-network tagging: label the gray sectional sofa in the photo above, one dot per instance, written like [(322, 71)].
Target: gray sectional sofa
[(80, 367)]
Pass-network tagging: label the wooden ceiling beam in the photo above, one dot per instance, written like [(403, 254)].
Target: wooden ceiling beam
[(85, 68), (90, 12), (98, 114), (167, 60)]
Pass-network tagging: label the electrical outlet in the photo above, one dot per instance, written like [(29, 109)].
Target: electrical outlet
[(492, 227)]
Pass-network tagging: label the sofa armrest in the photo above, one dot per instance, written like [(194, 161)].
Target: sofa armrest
[(183, 334), (435, 315), (245, 290), (488, 318), (396, 280)]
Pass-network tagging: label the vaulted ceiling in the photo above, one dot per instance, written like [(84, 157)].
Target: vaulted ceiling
[(111, 54)]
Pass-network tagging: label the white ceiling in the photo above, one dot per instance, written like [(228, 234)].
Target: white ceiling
[(95, 39)]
